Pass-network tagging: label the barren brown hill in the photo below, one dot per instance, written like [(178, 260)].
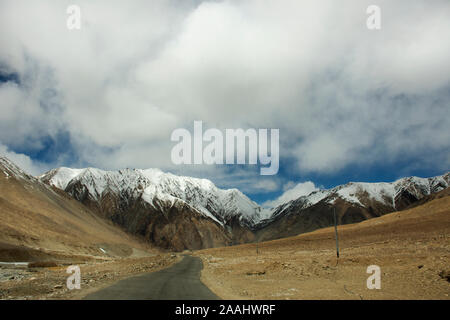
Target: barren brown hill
[(412, 248), (39, 223)]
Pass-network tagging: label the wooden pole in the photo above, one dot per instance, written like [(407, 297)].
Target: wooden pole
[(335, 232)]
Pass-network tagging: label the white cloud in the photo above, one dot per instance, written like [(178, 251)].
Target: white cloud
[(246, 179), (292, 192), (339, 93)]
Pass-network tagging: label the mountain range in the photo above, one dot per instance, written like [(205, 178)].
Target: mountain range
[(177, 213), (352, 202)]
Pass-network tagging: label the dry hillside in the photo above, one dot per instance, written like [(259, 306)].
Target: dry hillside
[(411, 247), (40, 223)]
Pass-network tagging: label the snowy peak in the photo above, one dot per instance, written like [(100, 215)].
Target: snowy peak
[(156, 187), (60, 177), (419, 186), (177, 212), (353, 202), (365, 194), (162, 190)]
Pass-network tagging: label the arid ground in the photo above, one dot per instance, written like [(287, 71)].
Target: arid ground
[(411, 247), (26, 283)]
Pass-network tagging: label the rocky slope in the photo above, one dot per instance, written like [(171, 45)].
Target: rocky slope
[(38, 222), (180, 213), (353, 202), (171, 211)]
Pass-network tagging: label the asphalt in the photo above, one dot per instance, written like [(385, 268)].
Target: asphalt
[(178, 282)]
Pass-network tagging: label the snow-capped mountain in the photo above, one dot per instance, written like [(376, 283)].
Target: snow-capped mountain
[(161, 190), (365, 194), (170, 211), (353, 202), (180, 213), (158, 189)]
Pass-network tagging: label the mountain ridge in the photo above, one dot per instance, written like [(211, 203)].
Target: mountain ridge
[(357, 193), (353, 202), (153, 184), (178, 213), (173, 212)]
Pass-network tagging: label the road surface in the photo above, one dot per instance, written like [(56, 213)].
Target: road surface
[(178, 282)]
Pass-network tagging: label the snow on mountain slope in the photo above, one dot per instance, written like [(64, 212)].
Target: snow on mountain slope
[(364, 194), (64, 176), (353, 202), (153, 185), (162, 190)]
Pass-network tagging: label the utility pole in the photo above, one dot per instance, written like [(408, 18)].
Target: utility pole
[(336, 233), (257, 242)]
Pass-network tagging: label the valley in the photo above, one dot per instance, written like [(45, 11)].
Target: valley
[(119, 224)]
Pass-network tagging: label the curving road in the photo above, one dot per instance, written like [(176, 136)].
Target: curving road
[(178, 282)]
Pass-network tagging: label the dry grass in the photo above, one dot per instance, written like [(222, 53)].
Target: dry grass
[(412, 248)]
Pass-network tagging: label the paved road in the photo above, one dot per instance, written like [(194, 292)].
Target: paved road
[(178, 282)]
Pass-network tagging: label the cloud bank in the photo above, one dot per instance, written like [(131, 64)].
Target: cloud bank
[(341, 95)]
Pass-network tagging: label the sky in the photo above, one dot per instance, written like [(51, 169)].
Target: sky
[(351, 104)]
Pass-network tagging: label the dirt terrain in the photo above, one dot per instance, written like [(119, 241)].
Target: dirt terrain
[(43, 225), (411, 247), (24, 283)]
